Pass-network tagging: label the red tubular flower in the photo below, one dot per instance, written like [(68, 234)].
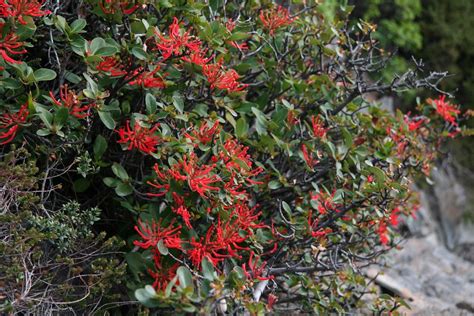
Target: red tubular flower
[(112, 66), (161, 177), (198, 57), (308, 157), (236, 157), (9, 45), (147, 79), (313, 224), (257, 271), (272, 299), (413, 123), (275, 19), (446, 110), (221, 79), (21, 8), (325, 202), (112, 6), (140, 137), (69, 100), (152, 234), (318, 130), (10, 122), (198, 178), (177, 41), (161, 274), (204, 134), (230, 25), (383, 233), (184, 213)]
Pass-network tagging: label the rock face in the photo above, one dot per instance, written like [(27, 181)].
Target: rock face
[(435, 280)]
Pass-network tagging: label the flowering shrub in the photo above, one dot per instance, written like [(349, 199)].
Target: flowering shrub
[(230, 145)]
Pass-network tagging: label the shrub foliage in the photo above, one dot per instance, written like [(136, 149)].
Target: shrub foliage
[(231, 144)]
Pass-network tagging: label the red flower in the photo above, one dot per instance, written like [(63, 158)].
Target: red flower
[(236, 157), (448, 112), (383, 233), (184, 213), (152, 234), (394, 217), (275, 18), (230, 25), (318, 130), (198, 57), (221, 79), (308, 157), (140, 137), (11, 123), (147, 79), (112, 66), (22, 8), (197, 177), (413, 123), (204, 134), (112, 6), (272, 299), (325, 202), (9, 45), (319, 233), (71, 101), (177, 41), (162, 275), (257, 271)]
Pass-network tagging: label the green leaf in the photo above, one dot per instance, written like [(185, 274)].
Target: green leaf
[(46, 117), (241, 128), (107, 119), (119, 171), (178, 102), (44, 74), (100, 146), (96, 44), (237, 36), (207, 269), (111, 182), (123, 189), (60, 117), (78, 25), (139, 53), (162, 248), (274, 184), (150, 102), (106, 51), (185, 277), (81, 185)]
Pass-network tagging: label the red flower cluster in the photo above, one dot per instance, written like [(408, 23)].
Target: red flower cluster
[(308, 157), (275, 19), (176, 42), (140, 137), (21, 8), (147, 79), (198, 57), (448, 111), (10, 122), (113, 6), (112, 66), (318, 129), (313, 224), (222, 79), (204, 134), (10, 45), (137, 77), (325, 202), (198, 178), (413, 123), (257, 271), (230, 25), (69, 100)]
